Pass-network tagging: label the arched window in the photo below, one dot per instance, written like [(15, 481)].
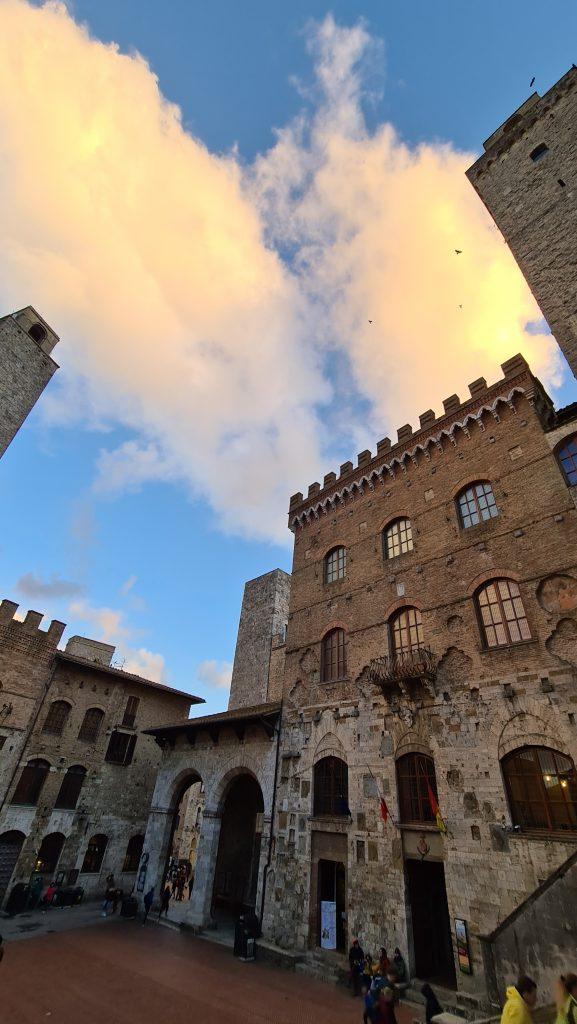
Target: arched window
[(56, 718), (397, 538), (415, 773), (333, 656), (331, 787), (406, 631), (38, 333), (91, 725), (133, 854), (49, 853), (31, 782), (501, 614), (476, 504), (542, 789), (335, 565), (70, 789), (567, 456), (94, 854)]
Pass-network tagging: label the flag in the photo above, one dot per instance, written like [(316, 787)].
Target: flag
[(436, 809), (384, 809)]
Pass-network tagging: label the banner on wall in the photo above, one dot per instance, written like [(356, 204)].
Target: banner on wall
[(328, 925)]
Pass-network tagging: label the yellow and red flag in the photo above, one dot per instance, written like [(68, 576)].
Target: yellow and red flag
[(436, 810)]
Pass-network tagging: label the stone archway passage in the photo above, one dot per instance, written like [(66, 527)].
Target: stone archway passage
[(10, 846), (237, 863)]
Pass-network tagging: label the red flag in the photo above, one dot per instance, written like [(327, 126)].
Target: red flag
[(384, 809), (436, 809)]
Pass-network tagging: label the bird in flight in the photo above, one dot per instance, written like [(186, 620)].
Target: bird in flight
[(370, 321), (458, 251), (532, 82)]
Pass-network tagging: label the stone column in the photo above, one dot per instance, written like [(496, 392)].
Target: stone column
[(155, 845), (264, 844), (198, 913)]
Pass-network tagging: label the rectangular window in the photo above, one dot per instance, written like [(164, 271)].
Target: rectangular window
[(130, 712), (121, 748), (360, 851)]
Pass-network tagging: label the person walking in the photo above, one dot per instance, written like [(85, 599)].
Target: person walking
[(164, 902), (521, 1000), (356, 962), (148, 899), (566, 999)]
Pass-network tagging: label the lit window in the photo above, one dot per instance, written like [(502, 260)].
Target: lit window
[(502, 614), (333, 659), (542, 789), (398, 538), (407, 631), (335, 565), (477, 504), (567, 456), (56, 718), (95, 854)]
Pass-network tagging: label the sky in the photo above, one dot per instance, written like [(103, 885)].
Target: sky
[(241, 221)]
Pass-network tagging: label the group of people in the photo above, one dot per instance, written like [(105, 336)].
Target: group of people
[(378, 981), (522, 999), (179, 880)]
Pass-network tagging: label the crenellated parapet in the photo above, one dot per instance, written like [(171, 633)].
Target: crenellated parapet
[(26, 634), (392, 459)]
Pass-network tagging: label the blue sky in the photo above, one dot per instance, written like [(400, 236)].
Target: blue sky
[(157, 564)]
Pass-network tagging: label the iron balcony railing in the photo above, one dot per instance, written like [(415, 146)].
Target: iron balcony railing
[(417, 665)]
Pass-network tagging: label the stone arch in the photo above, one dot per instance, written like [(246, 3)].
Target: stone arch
[(240, 764), (171, 787), (327, 746), (525, 729), (413, 741)]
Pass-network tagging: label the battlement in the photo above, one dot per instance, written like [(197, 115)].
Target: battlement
[(517, 379), (29, 627), (521, 120)]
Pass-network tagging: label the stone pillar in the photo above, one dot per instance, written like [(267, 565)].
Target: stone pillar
[(264, 845), (198, 914), (155, 845)]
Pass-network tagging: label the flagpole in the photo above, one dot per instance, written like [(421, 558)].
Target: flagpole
[(381, 797)]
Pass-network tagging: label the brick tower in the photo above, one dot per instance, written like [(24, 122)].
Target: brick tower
[(26, 366), (527, 179)]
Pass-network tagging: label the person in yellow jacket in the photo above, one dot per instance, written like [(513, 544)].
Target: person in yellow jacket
[(521, 999), (566, 999)]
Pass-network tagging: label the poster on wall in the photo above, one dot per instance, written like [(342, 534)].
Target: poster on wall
[(463, 952), (328, 925)]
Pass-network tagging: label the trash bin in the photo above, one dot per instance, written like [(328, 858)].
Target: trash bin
[(244, 941), (129, 907), (68, 896)]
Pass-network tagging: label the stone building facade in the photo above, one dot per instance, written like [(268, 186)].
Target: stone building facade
[(77, 769), (527, 179), (234, 756), (431, 661), (26, 366)]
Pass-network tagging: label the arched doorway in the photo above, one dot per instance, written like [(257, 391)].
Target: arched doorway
[(237, 863), (10, 846), (180, 859), (49, 853)]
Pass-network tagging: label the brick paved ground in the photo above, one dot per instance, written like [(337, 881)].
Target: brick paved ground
[(125, 974)]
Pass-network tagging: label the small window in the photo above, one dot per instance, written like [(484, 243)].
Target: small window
[(91, 725), (477, 504), (331, 787), (133, 854), (502, 614), (38, 333), (31, 782), (94, 854), (49, 853), (407, 631), (335, 565), (397, 538), (567, 456), (121, 748), (333, 656), (70, 789), (56, 718), (130, 712), (415, 773), (539, 152), (542, 789)]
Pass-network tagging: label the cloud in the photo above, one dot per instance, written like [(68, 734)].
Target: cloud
[(33, 587), (107, 624), (128, 584), (220, 313), (144, 663), (215, 673)]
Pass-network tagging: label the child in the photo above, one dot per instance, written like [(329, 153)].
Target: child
[(368, 1005)]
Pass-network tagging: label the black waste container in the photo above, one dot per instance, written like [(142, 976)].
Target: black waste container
[(68, 896), (129, 907)]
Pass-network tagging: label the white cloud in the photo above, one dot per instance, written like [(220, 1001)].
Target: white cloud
[(143, 662), (106, 624), (215, 673), (163, 267), (32, 587), (128, 584)]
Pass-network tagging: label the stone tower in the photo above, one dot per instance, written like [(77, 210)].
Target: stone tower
[(263, 618), (26, 366), (527, 179)]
